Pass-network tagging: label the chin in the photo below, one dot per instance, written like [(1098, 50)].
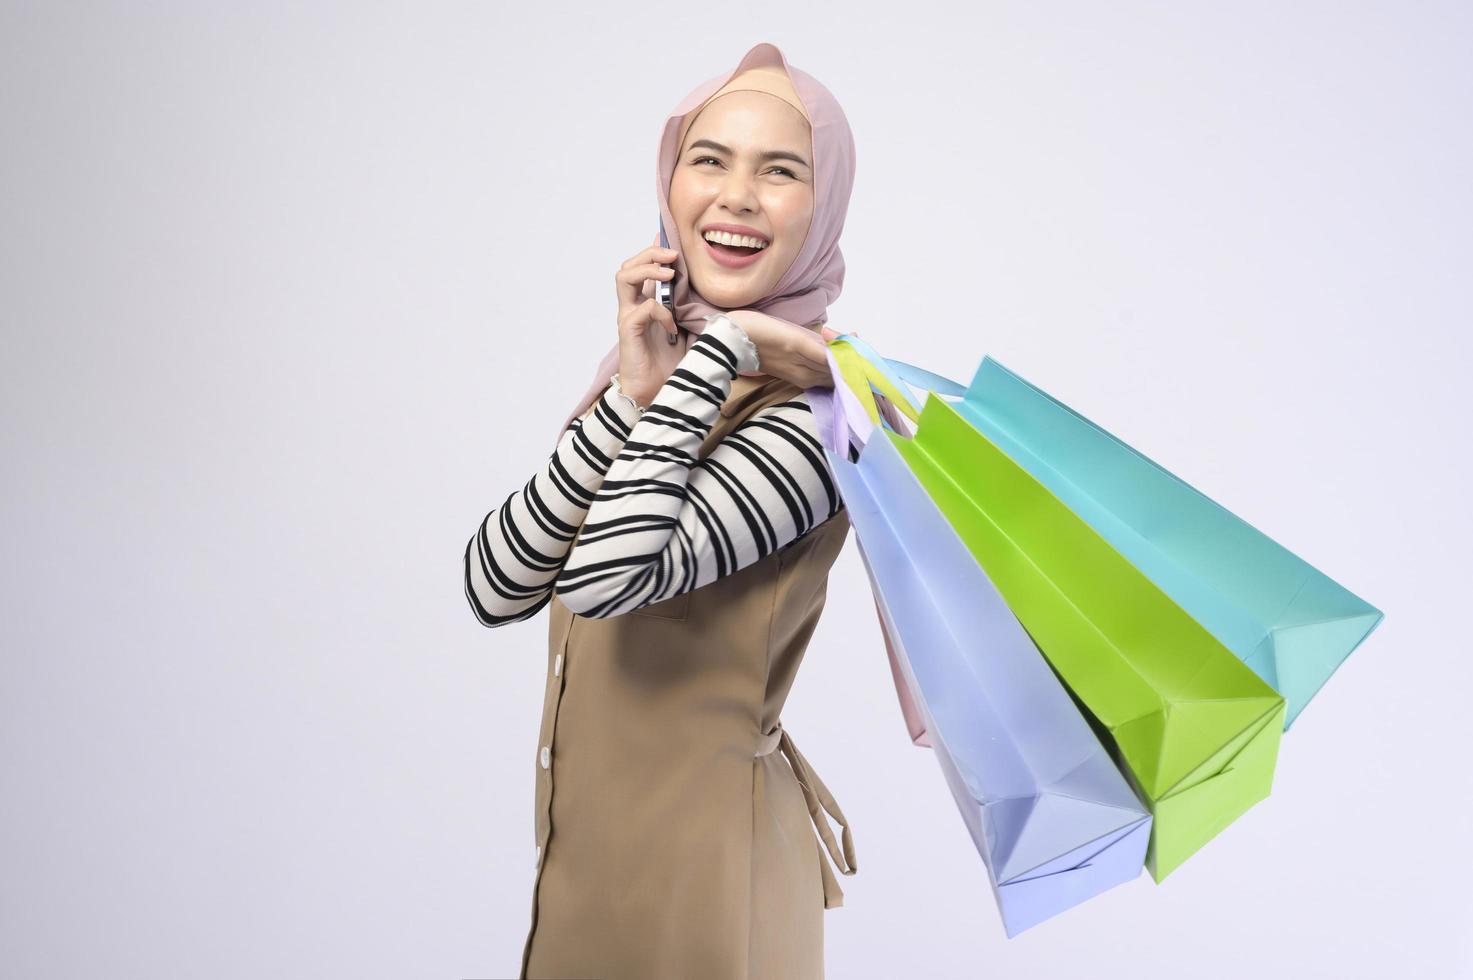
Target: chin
[(728, 298), (730, 301)]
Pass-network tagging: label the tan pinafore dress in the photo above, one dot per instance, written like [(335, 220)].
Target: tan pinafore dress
[(675, 818)]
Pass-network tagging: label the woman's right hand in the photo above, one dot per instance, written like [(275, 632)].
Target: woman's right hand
[(646, 355)]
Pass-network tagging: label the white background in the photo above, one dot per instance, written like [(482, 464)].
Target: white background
[(292, 296)]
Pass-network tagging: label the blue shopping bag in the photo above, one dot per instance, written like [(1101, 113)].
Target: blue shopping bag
[(1053, 818)]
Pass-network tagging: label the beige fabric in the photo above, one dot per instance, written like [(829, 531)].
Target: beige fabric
[(676, 818), (769, 79)]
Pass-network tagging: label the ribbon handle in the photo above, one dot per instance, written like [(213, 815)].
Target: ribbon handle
[(898, 372), (847, 414)]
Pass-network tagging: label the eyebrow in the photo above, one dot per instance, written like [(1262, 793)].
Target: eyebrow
[(762, 157)]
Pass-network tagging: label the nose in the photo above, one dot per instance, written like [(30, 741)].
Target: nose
[(737, 192)]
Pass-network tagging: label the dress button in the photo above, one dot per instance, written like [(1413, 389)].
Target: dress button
[(557, 666), (546, 757)]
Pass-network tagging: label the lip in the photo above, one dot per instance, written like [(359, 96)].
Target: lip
[(735, 230), (729, 260)]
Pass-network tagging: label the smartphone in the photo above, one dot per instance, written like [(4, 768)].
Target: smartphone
[(665, 289)]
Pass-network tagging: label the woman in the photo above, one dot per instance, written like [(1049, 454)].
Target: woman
[(682, 534)]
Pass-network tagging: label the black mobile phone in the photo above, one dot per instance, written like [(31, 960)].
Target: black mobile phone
[(665, 289)]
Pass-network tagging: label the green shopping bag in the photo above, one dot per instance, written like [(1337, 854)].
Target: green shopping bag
[(1194, 729)]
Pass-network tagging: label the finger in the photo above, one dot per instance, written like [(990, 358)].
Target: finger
[(654, 253), (630, 280), (636, 322), (647, 270), (822, 372), (669, 323), (814, 351), (817, 379)]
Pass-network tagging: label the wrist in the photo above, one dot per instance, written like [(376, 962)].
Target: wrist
[(727, 329), (633, 399)]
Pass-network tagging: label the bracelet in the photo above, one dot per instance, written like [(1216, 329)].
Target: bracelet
[(614, 383)]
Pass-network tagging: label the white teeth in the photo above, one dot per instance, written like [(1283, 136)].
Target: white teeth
[(726, 238)]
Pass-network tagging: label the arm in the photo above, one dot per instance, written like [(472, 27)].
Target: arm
[(515, 555), (664, 523)]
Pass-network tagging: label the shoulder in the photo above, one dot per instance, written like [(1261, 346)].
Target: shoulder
[(788, 404)]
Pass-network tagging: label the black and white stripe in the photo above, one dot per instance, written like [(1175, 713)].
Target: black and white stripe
[(517, 552), (655, 522)]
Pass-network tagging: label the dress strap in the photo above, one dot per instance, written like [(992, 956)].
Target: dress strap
[(819, 799)]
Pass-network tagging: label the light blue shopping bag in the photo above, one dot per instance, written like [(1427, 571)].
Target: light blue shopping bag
[(1285, 619)]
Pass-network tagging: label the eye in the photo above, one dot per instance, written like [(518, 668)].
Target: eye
[(785, 170)]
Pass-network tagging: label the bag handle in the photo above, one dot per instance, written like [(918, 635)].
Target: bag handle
[(901, 372), (848, 412)]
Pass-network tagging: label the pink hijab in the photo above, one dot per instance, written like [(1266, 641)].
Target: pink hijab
[(816, 277)]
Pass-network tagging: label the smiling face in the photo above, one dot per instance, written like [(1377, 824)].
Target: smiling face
[(747, 163)]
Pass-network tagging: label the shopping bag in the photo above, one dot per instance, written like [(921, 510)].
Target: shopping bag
[(821, 400), (1289, 622), (1193, 728), (1054, 820), (915, 721)]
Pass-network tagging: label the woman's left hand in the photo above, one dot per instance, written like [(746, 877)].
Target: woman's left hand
[(783, 351)]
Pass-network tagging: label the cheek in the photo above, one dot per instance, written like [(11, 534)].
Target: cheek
[(792, 224), (677, 201), (792, 214), (680, 194), (688, 196)]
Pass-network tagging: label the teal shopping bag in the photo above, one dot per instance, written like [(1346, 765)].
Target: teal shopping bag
[(1288, 621)]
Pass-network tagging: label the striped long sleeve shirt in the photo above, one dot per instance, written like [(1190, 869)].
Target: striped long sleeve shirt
[(655, 520)]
